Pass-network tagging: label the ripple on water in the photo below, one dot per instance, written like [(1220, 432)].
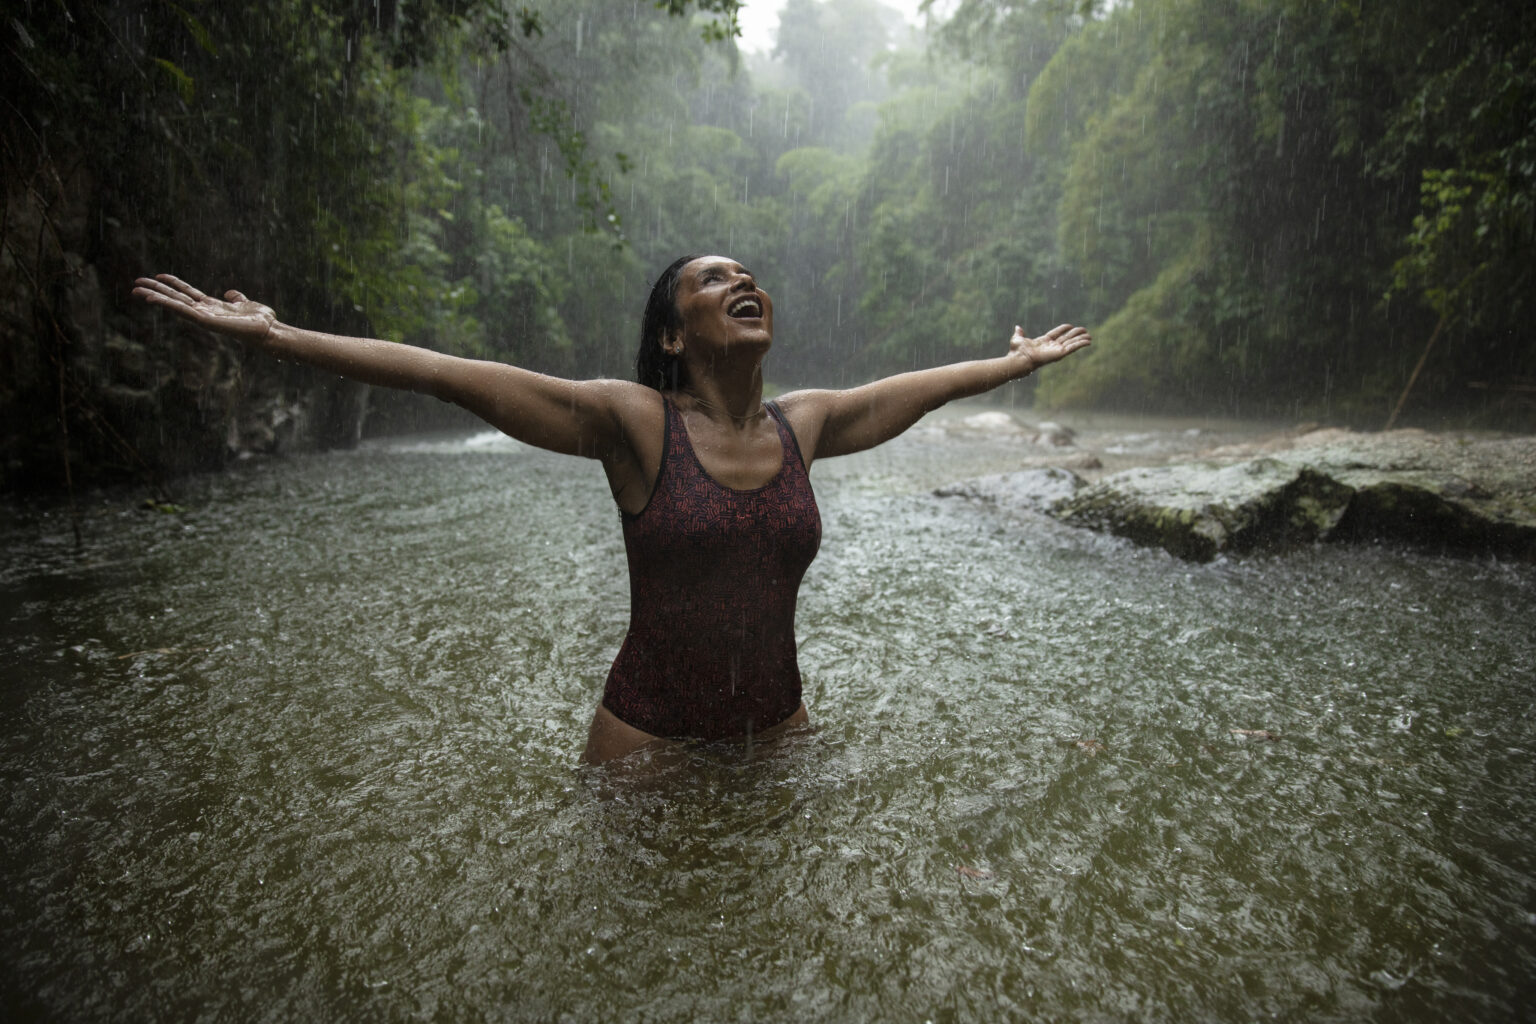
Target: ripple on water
[(307, 750)]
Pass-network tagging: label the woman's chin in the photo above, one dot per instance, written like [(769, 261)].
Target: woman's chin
[(750, 337)]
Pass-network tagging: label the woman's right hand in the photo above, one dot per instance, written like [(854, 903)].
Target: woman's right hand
[(234, 314), (593, 418)]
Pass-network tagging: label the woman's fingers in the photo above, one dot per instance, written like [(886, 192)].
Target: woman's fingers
[(1055, 333), (1064, 334), (160, 293), (168, 291), (181, 286), (1057, 343), (234, 315)]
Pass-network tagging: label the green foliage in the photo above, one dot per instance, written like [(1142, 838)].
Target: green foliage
[(958, 241), (1258, 204), (1173, 345), (1090, 71), (1466, 123), (1448, 249), (1135, 359), (340, 146), (832, 48), (714, 30), (1260, 152)]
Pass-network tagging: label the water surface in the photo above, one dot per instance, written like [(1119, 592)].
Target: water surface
[(307, 751)]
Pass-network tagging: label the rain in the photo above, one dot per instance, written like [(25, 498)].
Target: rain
[(1188, 677)]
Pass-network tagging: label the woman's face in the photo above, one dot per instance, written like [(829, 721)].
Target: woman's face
[(721, 305)]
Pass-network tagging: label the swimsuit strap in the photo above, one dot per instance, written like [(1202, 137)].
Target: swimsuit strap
[(786, 433)]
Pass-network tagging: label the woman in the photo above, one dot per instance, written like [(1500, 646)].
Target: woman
[(718, 515)]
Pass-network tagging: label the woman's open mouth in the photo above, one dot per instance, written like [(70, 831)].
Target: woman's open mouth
[(745, 308)]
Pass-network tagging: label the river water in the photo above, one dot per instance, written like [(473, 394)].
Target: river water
[(307, 750)]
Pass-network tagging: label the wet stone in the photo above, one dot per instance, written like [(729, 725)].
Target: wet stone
[(1437, 492)]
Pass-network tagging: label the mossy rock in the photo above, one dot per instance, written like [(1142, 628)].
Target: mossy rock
[(1200, 510)]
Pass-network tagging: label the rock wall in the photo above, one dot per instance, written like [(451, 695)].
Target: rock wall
[(95, 387)]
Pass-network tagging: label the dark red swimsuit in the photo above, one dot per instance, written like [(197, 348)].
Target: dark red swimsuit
[(713, 576)]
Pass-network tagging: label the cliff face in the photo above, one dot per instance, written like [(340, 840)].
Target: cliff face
[(95, 386)]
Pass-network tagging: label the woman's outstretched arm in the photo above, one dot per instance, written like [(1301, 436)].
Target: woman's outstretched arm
[(571, 417), (841, 422)]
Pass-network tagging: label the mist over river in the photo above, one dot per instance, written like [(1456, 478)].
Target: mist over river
[(306, 750)]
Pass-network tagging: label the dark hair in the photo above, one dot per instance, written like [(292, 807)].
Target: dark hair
[(653, 366)]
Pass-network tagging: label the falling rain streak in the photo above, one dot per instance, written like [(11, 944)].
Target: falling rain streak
[(310, 722)]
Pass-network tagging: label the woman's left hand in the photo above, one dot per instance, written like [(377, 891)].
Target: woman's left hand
[(234, 314), (1057, 343)]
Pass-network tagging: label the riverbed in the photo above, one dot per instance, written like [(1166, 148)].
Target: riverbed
[(306, 748)]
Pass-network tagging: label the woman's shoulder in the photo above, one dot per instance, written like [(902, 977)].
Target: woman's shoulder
[(806, 406), (805, 412), (639, 409), (626, 397)]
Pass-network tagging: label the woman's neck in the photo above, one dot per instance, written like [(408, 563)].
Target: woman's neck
[(735, 395)]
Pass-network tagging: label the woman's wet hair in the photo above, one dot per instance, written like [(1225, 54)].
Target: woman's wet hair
[(653, 366)]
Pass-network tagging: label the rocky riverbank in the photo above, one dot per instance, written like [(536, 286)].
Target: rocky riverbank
[(1451, 492)]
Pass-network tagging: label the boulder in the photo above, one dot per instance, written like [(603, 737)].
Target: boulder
[(990, 422), (1199, 510), (1055, 434), (1438, 492)]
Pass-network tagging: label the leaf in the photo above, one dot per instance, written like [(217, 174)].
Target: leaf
[(530, 22), (719, 30), (180, 78), (198, 30)]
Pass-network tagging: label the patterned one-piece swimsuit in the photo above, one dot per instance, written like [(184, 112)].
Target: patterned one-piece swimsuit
[(713, 577)]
